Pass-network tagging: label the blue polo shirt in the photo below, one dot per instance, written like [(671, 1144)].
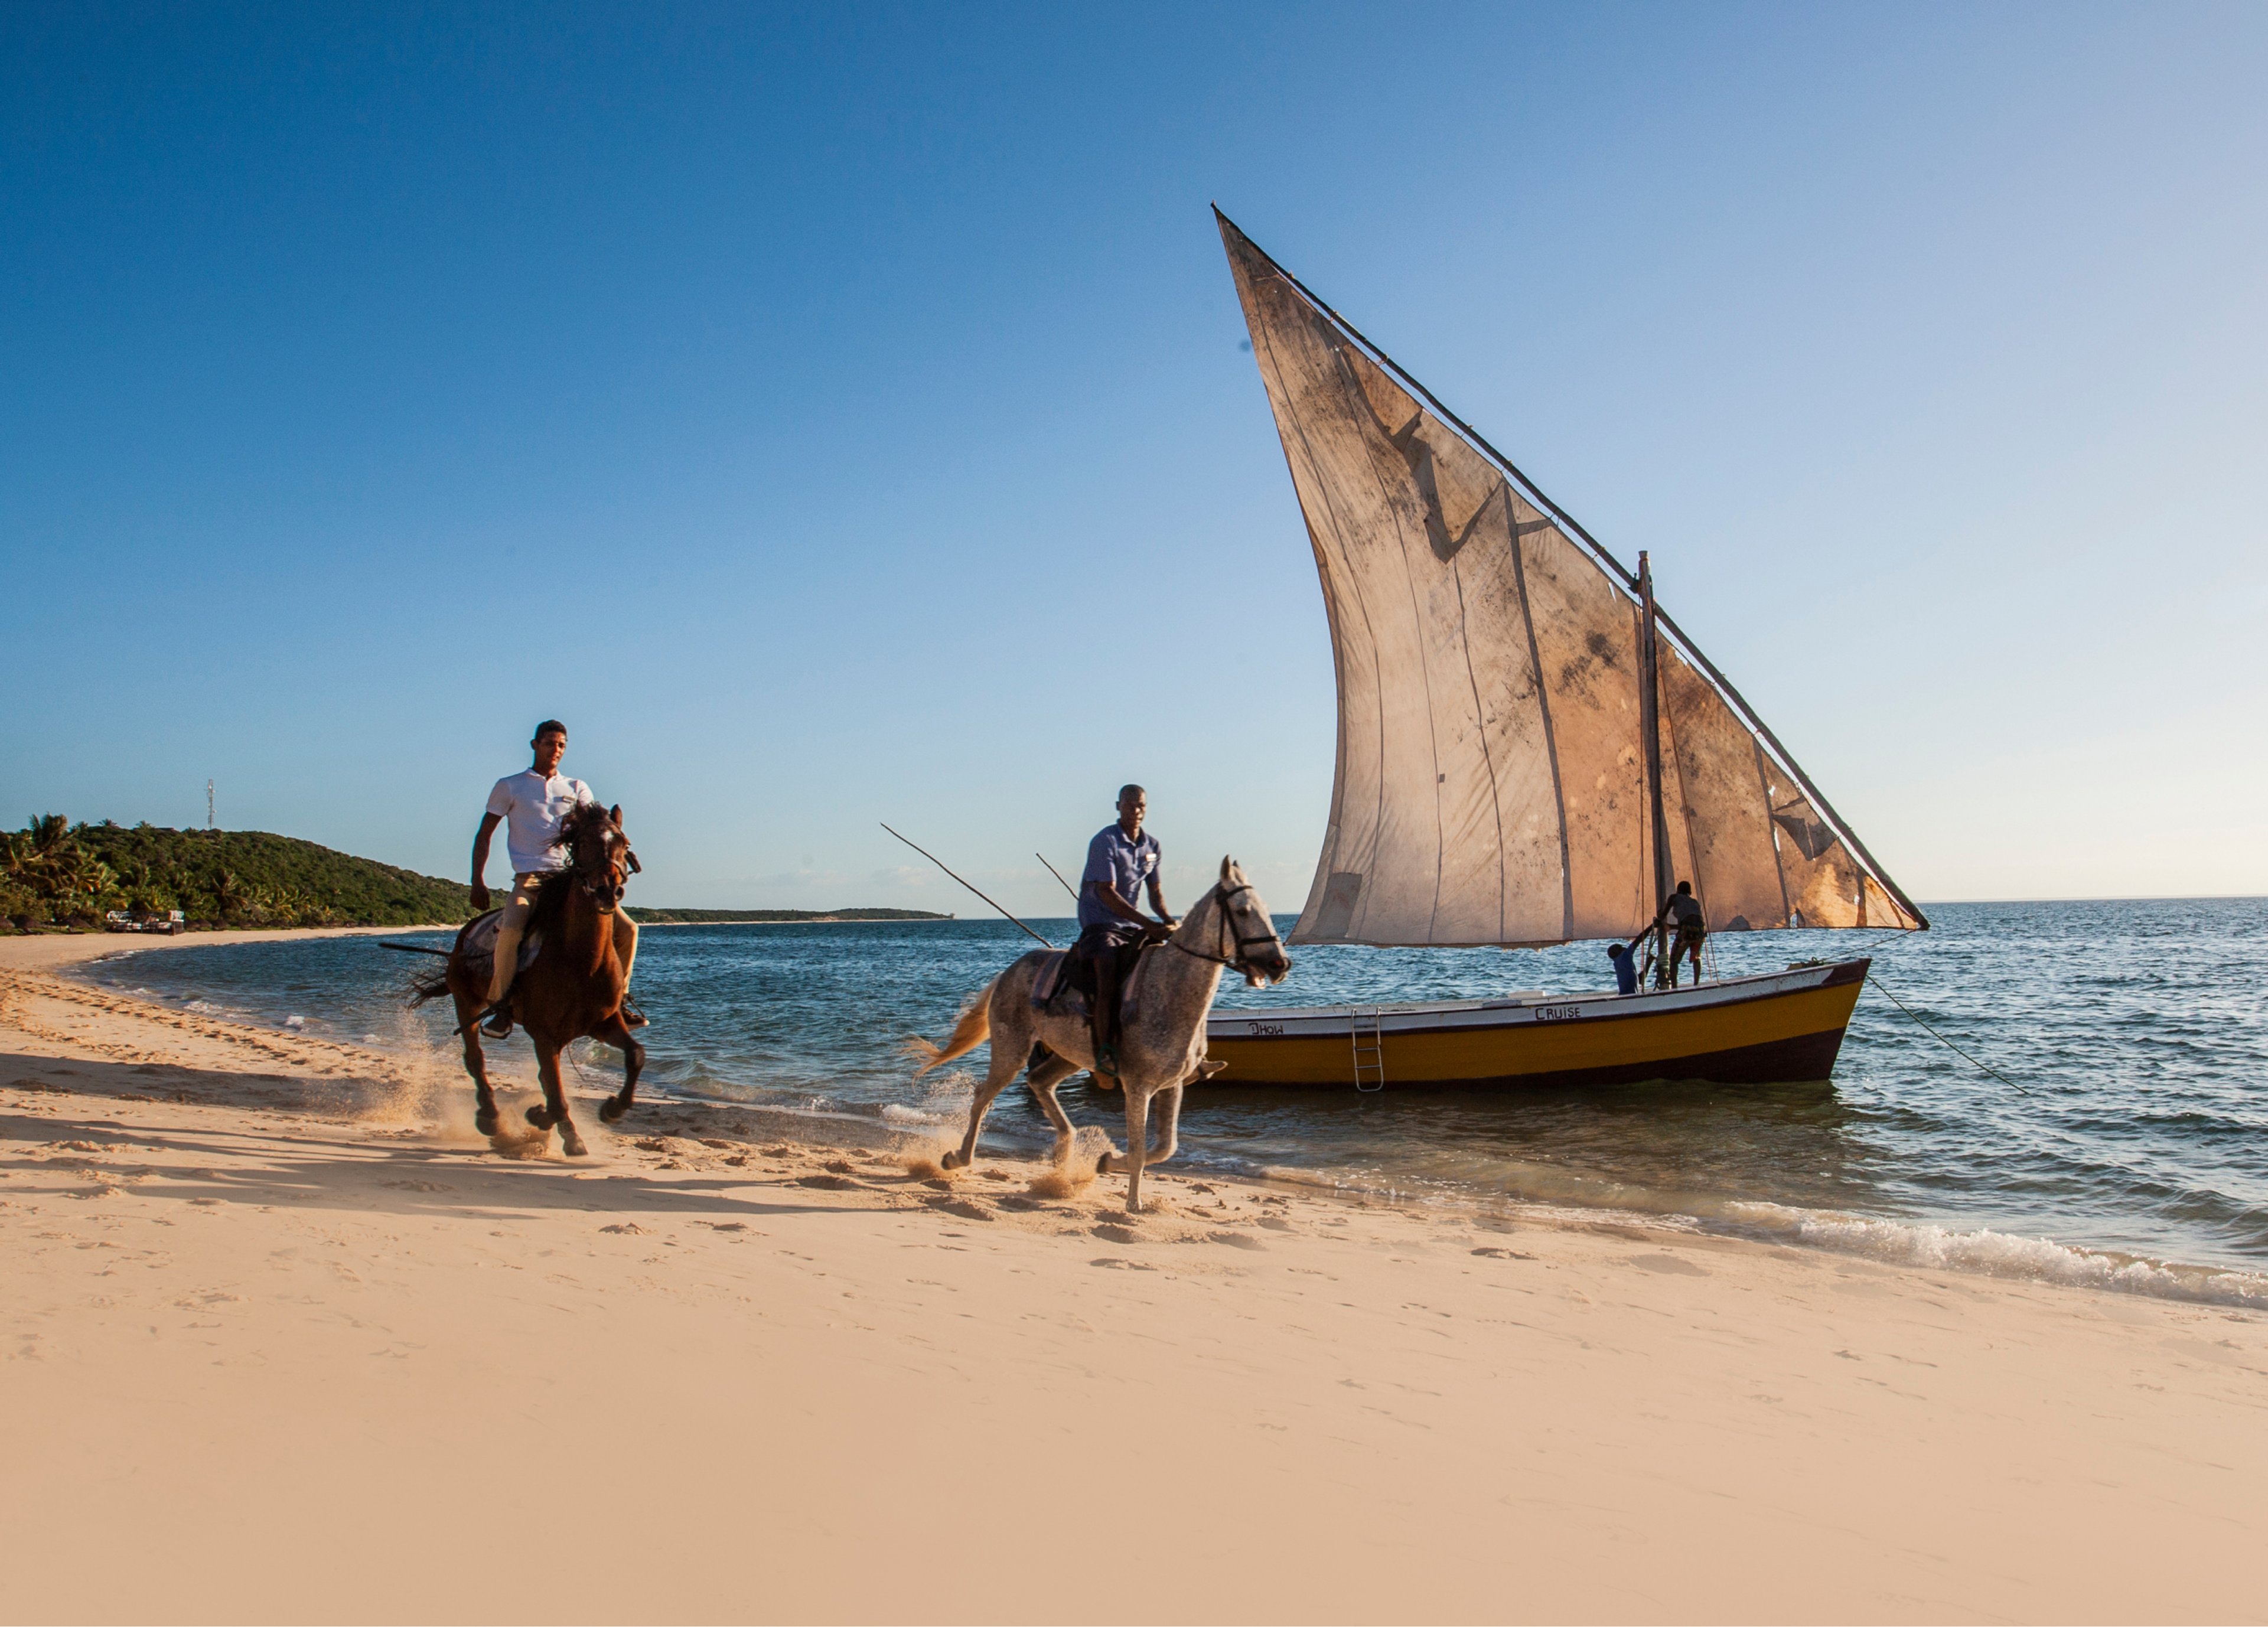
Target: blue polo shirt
[(1125, 865)]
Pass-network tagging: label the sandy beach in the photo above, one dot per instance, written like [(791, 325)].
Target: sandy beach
[(286, 1340)]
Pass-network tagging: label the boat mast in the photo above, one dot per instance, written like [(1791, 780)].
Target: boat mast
[(1649, 723)]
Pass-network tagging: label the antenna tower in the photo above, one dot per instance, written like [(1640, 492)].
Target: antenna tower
[(209, 825)]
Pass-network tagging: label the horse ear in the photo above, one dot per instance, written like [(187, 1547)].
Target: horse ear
[(1227, 866), (615, 813)]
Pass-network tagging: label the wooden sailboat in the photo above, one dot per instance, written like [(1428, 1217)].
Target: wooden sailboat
[(1531, 752)]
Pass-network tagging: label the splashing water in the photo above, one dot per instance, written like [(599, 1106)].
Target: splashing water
[(2133, 1159)]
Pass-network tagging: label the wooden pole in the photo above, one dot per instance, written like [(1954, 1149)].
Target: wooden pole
[(1058, 875), (941, 865), (1649, 723)]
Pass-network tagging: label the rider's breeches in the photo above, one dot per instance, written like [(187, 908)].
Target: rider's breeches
[(514, 927), (510, 930)]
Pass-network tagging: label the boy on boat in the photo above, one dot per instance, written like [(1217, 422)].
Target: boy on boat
[(1682, 910), (1120, 861)]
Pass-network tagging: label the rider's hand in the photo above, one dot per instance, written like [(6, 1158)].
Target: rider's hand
[(1158, 931), (480, 896)]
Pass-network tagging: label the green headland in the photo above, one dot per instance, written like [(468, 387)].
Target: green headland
[(54, 874)]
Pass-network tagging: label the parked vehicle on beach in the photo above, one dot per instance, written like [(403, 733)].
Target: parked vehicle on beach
[(171, 922)]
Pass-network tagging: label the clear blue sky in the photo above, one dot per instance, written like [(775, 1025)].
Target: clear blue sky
[(839, 415)]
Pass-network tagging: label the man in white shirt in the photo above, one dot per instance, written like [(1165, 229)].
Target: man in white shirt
[(533, 806)]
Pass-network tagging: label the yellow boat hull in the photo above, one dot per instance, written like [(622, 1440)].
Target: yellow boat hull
[(1781, 1027)]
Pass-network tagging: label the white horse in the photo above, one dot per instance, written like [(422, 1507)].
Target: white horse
[(1163, 1044)]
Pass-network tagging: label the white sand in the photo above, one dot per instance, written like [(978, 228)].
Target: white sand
[(285, 1341)]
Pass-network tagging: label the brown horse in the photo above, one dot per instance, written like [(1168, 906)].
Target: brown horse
[(573, 988)]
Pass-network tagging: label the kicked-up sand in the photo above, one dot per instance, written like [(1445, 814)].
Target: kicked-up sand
[(285, 1340)]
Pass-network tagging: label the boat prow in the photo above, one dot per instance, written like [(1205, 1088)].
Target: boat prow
[(1771, 1028)]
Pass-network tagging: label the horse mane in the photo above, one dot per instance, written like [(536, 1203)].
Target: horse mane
[(583, 822), (586, 821)]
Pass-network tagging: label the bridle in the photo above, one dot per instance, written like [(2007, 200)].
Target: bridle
[(1235, 960), (587, 876)]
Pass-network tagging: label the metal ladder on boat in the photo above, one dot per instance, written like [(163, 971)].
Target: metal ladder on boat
[(1369, 1048)]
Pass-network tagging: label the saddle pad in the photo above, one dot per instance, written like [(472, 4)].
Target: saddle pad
[(479, 943), (1054, 981), (1050, 973)]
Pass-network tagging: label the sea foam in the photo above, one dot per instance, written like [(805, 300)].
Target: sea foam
[(2000, 1254)]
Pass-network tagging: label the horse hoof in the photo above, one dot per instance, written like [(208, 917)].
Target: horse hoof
[(1103, 1164), (611, 1111), (950, 1161), (541, 1117), (572, 1144), (485, 1121)]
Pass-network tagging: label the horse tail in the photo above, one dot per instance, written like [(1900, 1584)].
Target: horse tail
[(428, 986), (974, 1028)]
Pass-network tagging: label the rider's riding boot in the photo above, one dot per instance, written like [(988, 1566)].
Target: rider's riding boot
[(633, 1018), (498, 1023)]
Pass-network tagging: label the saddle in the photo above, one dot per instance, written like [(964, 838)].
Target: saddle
[(1065, 985), (479, 946)]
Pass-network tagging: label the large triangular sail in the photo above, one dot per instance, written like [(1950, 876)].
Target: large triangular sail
[(1491, 787)]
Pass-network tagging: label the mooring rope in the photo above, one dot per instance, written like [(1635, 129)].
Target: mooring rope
[(1942, 1040)]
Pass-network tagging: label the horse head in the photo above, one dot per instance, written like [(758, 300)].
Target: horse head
[(598, 855), (1248, 941)]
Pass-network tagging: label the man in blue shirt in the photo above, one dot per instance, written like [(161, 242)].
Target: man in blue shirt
[(1121, 860)]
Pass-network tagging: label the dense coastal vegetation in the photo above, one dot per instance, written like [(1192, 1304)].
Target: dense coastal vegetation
[(55, 873)]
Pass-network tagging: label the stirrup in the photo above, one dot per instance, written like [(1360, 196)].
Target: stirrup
[(1106, 1062), (633, 1018), (495, 1022)]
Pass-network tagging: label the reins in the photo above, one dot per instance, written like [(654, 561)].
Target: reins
[(1235, 962)]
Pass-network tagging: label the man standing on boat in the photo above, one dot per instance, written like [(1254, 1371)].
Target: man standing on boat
[(533, 805), (1680, 910), (1121, 859)]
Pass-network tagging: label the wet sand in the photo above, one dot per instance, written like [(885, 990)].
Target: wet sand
[(286, 1340)]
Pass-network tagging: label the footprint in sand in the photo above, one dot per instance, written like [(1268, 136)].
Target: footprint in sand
[(829, 1183), (1668, 1265), (962, 1207)]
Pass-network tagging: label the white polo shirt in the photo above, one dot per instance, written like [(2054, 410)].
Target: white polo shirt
[(534, 809)]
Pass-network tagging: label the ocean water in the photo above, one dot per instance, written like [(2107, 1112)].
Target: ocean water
[(2126, 1144)]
